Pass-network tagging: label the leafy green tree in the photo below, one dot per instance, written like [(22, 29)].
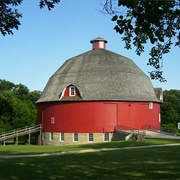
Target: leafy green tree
[(10, 16), (6, 110), (170, 109), (34, 95), (17, 106), (139, 22), (24, 113), (6, 85), (21, 91)]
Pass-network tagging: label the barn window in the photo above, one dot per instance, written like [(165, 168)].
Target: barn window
[(52, 120), (106, 137), (150, 105), (72, 91), (61, 136), (75, 137), (91, 137), (43, 136), (51, 136), (101, 44)]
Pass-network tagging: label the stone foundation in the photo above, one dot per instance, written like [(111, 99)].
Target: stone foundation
[(54, 139)]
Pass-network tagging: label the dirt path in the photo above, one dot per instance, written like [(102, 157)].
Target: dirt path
[(85, 151)]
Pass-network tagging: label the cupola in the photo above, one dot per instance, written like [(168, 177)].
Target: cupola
[(98, 43)]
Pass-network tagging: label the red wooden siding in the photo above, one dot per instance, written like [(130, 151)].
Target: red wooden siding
[(99, 45), (84, 117), (136, 114)]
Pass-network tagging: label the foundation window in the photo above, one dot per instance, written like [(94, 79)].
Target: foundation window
[(91, 137), (43, 136), (106, 137), (61, 136), (51, 136), (75, 137)]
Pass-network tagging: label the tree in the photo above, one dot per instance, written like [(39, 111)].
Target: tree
[(6, 85), (138, 21), (10, 16), (142, 21), (17, 106), (170, 108)]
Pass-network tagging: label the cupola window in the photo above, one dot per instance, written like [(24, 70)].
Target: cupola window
[(101, 44)]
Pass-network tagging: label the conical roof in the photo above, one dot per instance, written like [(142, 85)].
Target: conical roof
[(100, 74)]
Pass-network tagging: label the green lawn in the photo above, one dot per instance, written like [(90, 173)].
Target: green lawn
[(150, 163), (34, 149)]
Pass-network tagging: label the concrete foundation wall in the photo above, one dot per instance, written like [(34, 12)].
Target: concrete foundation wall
[(83, 138)]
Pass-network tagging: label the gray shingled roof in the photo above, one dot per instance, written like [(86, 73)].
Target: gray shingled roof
[(100, 75)]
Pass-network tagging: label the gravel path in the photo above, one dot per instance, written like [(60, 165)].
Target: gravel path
[(85, 151)]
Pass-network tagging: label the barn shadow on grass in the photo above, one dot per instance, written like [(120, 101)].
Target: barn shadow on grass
[(151, 163)]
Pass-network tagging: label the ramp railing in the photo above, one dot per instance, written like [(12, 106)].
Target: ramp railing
[(131, 130), (165, 130), (20, 132)]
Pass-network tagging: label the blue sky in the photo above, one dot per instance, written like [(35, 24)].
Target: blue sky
[(45, 40)]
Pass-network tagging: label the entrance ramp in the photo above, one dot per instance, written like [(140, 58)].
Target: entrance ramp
[(126, 133), (159, 134), (20, 132)]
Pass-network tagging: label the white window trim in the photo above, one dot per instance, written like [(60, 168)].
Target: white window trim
[(76, 89), (52, 120), (90, 137), (61, 137), (105, 138), (101, 44), (74, 137), (51, 136), (150, 105), (43, 136), (72, 89)]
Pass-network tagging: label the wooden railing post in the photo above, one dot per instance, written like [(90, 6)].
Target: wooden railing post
[(16, 139), (40, 138), (4, 142)]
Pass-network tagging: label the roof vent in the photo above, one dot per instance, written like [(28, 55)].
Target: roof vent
[(99, 43)]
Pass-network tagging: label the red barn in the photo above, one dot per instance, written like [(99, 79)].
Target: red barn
[(95, 93)]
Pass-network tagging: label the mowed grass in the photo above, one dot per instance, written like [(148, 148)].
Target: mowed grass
[(145, 163), (35, 149)]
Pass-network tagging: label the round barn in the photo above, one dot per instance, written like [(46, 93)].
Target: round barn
[(94, 95)]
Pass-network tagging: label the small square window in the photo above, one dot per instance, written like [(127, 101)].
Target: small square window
[(75, 138), (106, 137), (61, 136), (51, 136), (52, 120), (91, 137), (150, 105)]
